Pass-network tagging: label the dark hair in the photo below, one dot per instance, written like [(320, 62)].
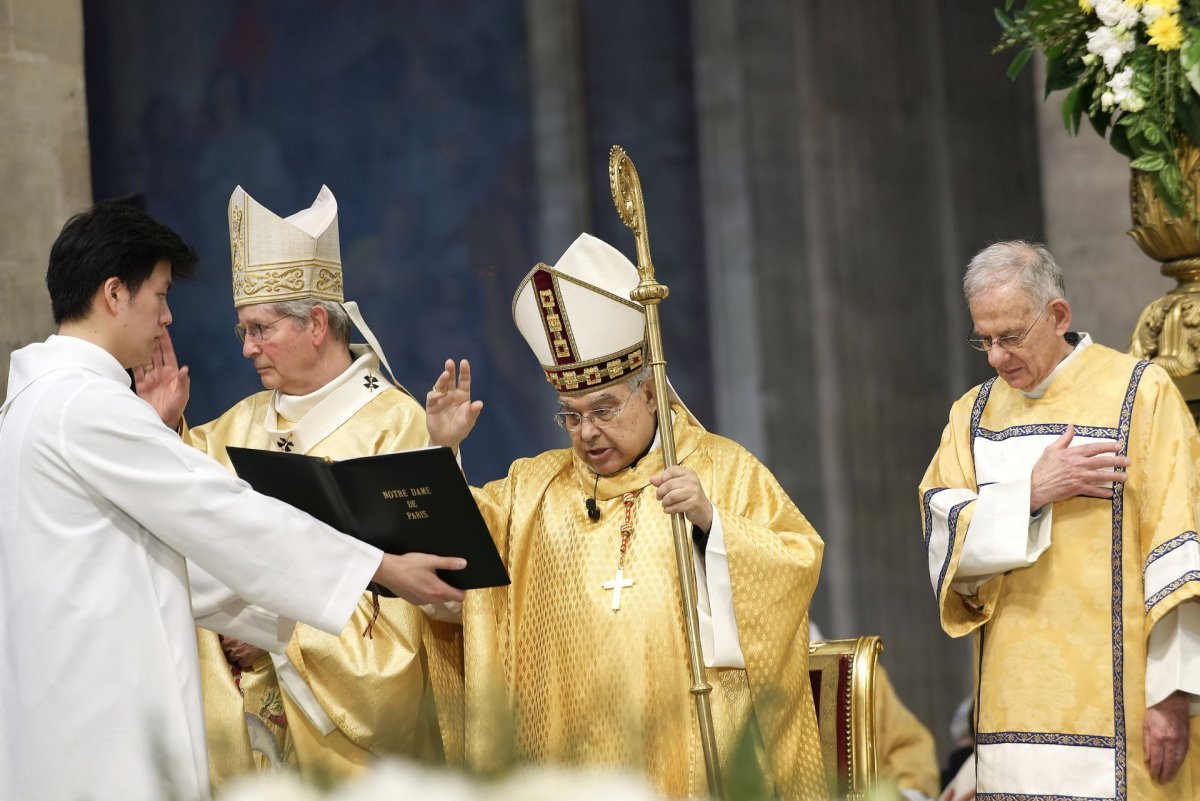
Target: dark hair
[(110, 240)]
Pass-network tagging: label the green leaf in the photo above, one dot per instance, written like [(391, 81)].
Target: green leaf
[(1133, 123), (1189, 53), (1120, 141), (1187, 112), (1059, 75), (1008, 4), (1019, 62), (1100, 121), (1152, 134), (1149, 162), (1172, 180), (1143, 82), (1072, 111), (1002, 18), (1172, 200), (1189, 57)]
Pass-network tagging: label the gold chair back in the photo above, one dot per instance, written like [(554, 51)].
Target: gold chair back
[(842, 673)]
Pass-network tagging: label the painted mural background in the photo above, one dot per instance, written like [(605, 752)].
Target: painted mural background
[(417, 116)]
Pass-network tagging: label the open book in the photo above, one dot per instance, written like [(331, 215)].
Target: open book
[(399, 502)]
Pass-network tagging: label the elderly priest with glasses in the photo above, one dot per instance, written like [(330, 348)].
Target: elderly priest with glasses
[(328, 705), (1060, 517), (587, 645)]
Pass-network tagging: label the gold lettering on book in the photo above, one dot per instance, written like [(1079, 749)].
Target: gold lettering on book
[(413, 510)]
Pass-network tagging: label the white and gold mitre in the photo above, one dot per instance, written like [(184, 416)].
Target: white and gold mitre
[(280, 259), (578, 318)]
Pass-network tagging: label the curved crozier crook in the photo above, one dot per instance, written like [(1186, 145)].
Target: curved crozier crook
[(626, 190)]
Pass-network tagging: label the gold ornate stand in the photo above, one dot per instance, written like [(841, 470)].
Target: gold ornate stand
[(1168, 330)]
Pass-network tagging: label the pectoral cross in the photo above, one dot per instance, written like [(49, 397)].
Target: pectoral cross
[(618, 583)]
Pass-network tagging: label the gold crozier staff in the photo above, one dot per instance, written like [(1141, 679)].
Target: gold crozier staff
[(627, 196)]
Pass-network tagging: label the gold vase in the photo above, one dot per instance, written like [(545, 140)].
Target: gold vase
[(1168, 330)]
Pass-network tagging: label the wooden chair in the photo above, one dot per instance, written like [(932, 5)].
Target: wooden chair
[(842, 673)]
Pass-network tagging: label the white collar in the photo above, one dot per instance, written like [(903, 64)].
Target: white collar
[(1040, 390), (60, 351), (294, 407)]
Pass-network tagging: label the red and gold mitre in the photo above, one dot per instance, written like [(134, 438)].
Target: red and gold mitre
[(578, 318)]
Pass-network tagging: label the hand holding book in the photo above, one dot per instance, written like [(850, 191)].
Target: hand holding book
[(415, 505), (413, 577)]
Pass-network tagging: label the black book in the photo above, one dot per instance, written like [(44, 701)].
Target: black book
[(399, 502)]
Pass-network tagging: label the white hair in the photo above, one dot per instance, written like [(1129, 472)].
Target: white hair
[(1028, 264), (339, 320), (635, 380)]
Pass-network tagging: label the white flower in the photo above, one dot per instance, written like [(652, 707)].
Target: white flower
[(1117, 13), (1122, 81), (391, 778), (284, 786), (548, 783), (1111, 45), (1122, 93), (1152, 12)]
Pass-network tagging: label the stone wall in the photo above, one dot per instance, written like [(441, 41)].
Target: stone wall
[(44, 163), (856, 155)]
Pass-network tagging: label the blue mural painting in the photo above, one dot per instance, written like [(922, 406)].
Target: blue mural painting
[(418, 117), (415, 116)]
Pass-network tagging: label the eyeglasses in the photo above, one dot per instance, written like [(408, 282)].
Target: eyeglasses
[(1009, 341), (254, 330), (600, 418)]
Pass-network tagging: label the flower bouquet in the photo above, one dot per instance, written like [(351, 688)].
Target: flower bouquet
[(1132, 67)]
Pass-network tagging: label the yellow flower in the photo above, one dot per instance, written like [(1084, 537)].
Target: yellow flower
[(1167, 6), (1086, 6), (1165, 33)]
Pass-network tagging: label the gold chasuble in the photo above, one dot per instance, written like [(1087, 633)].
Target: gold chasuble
[(374, 693), (1061, 642), (556, 672)]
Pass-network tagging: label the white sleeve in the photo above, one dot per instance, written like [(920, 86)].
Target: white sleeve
[(299, 691), (1002, 535), (714, 601), (216, 607), (446, 612), (911, 794), (1173, 655), (266, 552)]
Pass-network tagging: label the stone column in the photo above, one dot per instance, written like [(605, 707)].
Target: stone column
[(854, 156), (729, 241), (559, 122), (44, 165)]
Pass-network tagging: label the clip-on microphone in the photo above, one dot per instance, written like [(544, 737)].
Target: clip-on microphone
[(593, 511)]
